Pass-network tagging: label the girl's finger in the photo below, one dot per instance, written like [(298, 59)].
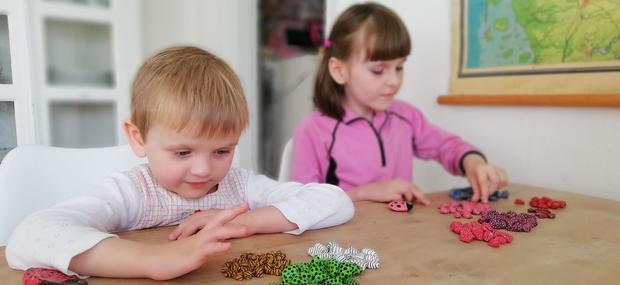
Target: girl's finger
[(475, 185), (483, 183), (420, 196), (503, 177)]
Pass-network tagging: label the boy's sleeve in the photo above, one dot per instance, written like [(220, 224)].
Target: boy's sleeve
[(431, 142), (50, 238), (306, 154), (309, 206)]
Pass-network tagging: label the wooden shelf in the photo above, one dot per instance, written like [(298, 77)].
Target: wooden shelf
[(559, 100)]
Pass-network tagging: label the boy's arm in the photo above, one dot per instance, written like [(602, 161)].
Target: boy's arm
[(266, 220), (114, 257), (307, 206), (51, 237)]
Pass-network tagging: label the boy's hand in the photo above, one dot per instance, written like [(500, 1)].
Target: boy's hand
[(193, 223), (388, 190), (484, 178), (183, 256), (205, 220)]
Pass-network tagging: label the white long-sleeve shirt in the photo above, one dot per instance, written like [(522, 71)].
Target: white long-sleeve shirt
[(133, 200)]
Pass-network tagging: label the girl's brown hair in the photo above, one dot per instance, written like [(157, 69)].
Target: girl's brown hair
[(188, 87), (369, 25)]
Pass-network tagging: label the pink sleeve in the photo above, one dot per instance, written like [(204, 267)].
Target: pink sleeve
[(431, 142), (307, 152)]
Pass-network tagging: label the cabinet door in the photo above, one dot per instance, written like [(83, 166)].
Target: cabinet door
[(16, 120), (86, 52)]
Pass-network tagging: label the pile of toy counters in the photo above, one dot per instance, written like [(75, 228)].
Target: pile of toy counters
[(464, 209), (514, 222), (483, 232)]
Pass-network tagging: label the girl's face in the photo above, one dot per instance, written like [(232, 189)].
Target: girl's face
[(370, 86), (186, 164)]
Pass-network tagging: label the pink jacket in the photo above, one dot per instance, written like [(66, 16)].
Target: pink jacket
[(355, 151)]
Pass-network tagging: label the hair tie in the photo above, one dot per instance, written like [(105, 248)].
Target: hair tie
[(327, 43)]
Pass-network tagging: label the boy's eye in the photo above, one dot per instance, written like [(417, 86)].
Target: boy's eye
[(182, 153), (222, 151)]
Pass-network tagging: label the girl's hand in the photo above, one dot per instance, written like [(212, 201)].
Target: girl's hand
[(183, 256), (484, 178), (388, 190)]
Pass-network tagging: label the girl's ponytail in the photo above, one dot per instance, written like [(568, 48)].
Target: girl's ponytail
[(328, 94)]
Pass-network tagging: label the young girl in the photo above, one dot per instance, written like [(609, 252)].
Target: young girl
[(187, 113), (362, 139)]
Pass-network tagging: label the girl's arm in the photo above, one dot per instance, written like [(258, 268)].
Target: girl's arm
[(388, 190)]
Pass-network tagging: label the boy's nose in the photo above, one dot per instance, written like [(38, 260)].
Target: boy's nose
[(200, 167)]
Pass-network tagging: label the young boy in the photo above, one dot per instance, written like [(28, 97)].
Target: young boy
[(187, 113)]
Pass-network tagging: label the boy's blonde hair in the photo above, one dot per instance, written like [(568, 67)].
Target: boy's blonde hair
[(188, 87)]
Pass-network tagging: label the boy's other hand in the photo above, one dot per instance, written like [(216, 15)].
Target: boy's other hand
[(206, 220)]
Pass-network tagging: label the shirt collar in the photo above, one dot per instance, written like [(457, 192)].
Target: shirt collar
[(350, 116)]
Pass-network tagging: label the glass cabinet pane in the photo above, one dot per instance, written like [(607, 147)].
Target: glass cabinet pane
[(78, 53), (95, 3), (83, 124), (8, 134), (6, 75)]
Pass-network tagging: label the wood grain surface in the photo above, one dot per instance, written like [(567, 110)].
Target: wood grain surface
[(580, 246)]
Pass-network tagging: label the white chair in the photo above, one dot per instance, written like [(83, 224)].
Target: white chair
[(36, 177), (286, 162)]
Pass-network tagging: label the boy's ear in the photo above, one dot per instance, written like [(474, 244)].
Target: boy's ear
[(135, 138), (338, 70)]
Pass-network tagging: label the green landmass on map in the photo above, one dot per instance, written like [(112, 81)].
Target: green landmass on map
[(571, 31), (542, 32)]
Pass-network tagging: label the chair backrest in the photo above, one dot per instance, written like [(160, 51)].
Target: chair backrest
[(286, 162), (35, 177)]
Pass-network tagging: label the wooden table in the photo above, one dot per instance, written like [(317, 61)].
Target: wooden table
[(580, 246)]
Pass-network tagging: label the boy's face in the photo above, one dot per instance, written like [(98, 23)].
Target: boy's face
[(370, 86), (186, 164)]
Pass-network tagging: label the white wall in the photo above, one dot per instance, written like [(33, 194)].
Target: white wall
[(569, 149), (226, 28)]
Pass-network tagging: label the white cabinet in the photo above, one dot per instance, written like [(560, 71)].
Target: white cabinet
[(84, 55), (65, 71), (16, 116)]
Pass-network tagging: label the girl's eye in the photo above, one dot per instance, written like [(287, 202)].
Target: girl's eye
[(182, 153), (221, 152), (377, 71), (399, 68)]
